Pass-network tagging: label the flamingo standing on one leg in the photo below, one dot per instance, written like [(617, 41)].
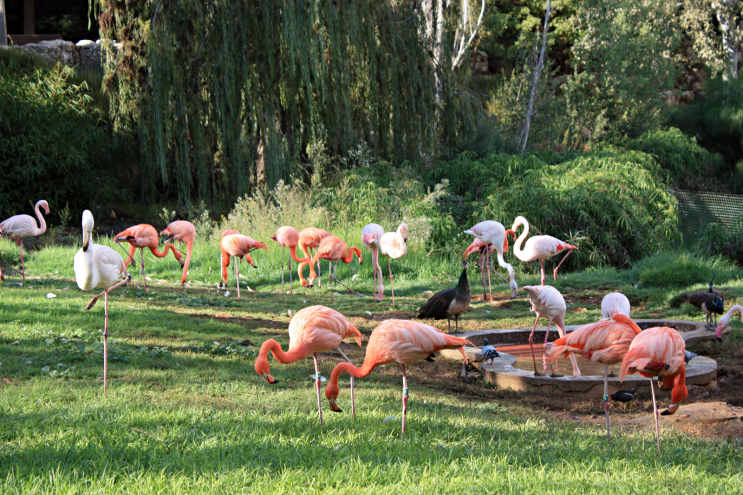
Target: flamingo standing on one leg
[(310, 239), (723, 323), (370, 236), (394, 245), (547, 302), (491, 232), (660, 352), (313, 329), (239, 246), (395, 340), (288, 237), (144, 236), (98, 267), (182, 231), (538, 247), (19, 226), (606, 342), (333, 249)]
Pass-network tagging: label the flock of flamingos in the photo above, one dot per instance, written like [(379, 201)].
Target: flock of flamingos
[(655, 352)]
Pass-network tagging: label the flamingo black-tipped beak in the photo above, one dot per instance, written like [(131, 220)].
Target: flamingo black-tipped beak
[(271, 380), (719, 339), (666, 413), (334, 407)]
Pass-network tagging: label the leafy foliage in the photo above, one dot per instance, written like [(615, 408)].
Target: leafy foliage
[(678, 269), (54, 143), (717, 240)]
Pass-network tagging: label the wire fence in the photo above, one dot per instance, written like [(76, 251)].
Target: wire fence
[(698, 209)]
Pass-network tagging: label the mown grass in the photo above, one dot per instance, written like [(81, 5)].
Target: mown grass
[(186, 412)]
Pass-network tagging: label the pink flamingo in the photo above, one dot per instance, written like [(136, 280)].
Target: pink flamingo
[(394, 245), (182, 231), (19, 226), (491, 232), (239, 246), (547, 302), (660, 352), (606, 342), (538, 247), (288, 237), (403, 341), (98, 267), (310, 239), (370, 236), (333, 249), (313, 329), (725, 320), (144, 236), (478, 245)]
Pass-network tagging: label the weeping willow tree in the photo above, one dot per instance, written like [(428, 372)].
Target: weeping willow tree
[(229, 95)]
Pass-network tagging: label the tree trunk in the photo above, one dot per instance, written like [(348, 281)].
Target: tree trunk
[(729, 41), (439, 51), (28, 17), (3, 31), (537, 73)]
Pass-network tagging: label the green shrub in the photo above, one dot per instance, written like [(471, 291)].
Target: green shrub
[(54, 144), (682, 269), (717, 240)]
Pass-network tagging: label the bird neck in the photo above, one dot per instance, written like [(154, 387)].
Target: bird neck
[(352, 370), (293, 251), (278, 354), (517, 250), (679, 392), (735, 308), (464, 283), (42, 222), (349, 255)]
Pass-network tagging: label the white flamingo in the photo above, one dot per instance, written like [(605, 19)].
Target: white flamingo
[(394, 245), (547, 302), (370, 236), (491, 232), (98, 267), (614, 303), (538, 247), (19, 226)]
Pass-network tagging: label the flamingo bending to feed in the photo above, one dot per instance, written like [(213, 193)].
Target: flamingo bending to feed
[(182, 231), (333, 249), (288, 237), (725, 320), (144, 236), (394, 245), (310, 239), (395, 340), (98, 267), (485, 250), (19, 226), (538, 247), (660, 352), (612, 304), (491, 232), (606, 342), (313, 329), (547, 302), (239, 246), (370, 236)]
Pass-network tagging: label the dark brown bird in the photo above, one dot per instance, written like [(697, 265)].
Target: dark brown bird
[(710, 302), (450, 302), (115, 213)]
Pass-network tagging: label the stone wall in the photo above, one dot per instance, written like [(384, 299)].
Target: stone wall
[(85, 55)]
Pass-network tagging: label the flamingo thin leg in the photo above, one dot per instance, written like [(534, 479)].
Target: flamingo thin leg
[(482, 272), (531, 344), (404, 399), (317, 386), (291, 281), (105, 346), (541, 265), (353, 401), (283, 248), (606, 401), (489, 261), (237, 278), (561, 262), (546, 338), (23, 267), (655, 414), (392, 284)]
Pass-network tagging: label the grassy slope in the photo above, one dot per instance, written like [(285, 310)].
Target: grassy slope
[(188, 419)]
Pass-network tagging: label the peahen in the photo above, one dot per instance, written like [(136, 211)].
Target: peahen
[(450, 302)]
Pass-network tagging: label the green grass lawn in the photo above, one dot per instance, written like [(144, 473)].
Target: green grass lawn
[(186, 412)]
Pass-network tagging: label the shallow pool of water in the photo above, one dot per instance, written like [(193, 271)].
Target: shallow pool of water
[(524, 361)]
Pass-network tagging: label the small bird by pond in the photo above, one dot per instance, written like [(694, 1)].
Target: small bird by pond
[(488, 351)]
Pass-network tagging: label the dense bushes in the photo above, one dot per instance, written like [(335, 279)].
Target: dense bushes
[(53, 142)]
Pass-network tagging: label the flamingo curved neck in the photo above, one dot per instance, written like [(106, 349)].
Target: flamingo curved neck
[(293, 251), (735, 308), (349, 255), (279, 355), (352, 370), (42, 222), (517, 249)]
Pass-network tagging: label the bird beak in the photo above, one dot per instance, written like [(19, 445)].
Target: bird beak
[(86, 240), (513, 293), (719, 339), (334, 406)]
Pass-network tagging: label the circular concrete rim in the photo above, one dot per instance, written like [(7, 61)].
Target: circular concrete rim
[(700, 371)]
